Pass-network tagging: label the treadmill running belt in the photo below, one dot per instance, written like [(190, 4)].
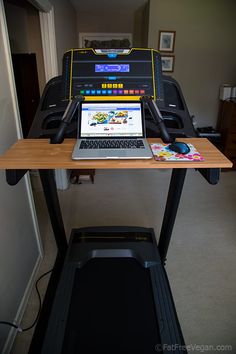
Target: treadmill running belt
[(111, 310)]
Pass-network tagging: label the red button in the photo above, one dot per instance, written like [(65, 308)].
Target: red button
[(142, 92), (136, 92), (131, 92)]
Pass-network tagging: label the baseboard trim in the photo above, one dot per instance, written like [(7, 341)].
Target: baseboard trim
[(19, 315)]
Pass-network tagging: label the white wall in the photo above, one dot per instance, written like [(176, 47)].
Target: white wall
[(65, 28), (20, 250), (104, 21), (205, 49), (140, 27), (117, 21)]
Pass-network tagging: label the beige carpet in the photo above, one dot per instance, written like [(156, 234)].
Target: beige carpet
[(201, 263)]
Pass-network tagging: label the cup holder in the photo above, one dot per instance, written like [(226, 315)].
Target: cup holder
[(172, 120), (52, 122)]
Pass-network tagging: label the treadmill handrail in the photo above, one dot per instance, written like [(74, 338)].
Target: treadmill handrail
[(157, 116), (66, 119)]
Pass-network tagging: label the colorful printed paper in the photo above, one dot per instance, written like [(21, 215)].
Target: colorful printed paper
[(162, 152)]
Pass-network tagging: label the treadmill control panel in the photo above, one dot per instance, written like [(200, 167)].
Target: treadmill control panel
[(104, 74)]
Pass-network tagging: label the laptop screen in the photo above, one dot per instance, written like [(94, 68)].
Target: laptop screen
[(111, 119)]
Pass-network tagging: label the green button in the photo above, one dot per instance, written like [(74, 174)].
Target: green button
[(82, 92)]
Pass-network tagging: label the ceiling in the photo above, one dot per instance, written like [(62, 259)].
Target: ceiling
[(107, 5)]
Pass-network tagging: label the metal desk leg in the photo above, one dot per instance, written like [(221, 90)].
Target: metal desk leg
[(53, 205), (172, 203), (41, 326), (51, 196)]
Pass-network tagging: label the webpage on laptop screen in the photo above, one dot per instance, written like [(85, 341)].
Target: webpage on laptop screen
[(111, 120)]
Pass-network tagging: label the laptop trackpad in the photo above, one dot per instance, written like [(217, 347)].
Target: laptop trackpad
[(113, 154)]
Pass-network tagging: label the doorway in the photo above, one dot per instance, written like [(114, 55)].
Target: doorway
[(27, 57)]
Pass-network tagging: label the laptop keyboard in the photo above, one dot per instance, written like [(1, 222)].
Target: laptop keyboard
[(112, 144)]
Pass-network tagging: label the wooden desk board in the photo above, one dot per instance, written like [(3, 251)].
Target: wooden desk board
[(39, 154)]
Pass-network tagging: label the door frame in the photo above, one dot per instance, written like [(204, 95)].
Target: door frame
[(47, 27), (48, 34), (26, 179)]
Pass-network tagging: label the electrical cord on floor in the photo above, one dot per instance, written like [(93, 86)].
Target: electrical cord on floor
[(16, 326)]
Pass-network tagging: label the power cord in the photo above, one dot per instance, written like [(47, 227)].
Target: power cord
[(16, 326)]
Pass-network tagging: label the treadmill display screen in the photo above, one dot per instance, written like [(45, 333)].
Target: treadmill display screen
[(128, 73), (112, 68)]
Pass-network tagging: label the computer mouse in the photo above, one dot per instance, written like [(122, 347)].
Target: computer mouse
[(180, 147)]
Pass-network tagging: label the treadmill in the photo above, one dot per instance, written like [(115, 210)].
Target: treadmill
[(109, 292), (113, 296)]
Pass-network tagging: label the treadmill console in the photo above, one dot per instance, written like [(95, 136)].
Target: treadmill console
[(112, 74), (100, 74)]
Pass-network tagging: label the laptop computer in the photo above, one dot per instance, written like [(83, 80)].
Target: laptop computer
[(111, 130)]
